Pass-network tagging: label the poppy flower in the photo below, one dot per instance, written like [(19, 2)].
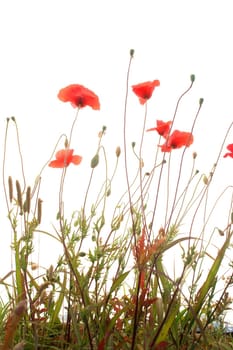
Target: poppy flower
[(162, 128), (64, 157), (79, 96), (177, 139), (229, 154), (145, 90)]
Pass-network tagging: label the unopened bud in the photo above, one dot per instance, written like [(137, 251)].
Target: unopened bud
[(118, 151), (201, 101), (192, 77), (205, 180), (81, 254), (133, 144), (66, 143), (131, 52), (194, 155), (95, 161)]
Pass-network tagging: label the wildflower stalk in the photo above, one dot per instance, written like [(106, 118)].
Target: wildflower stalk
[(211, 178), (161, 169), (64, 170), (20, 152), (124, 136), (141, 166), (180, 171)]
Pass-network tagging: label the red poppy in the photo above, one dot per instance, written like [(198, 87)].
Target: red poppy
[(229, 154), (64, 157), (162, 128), (79, 96), (145, 90), (177, 139)]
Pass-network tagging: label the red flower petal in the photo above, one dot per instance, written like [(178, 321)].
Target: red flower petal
[(76, 160), (145, 90), (79, 96), (64, 157), (230, 148), (228, 155), (57, 164), (177, 139), (162, 128)]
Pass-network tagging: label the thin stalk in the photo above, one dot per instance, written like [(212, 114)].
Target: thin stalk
[(180, 169), (161, 170)]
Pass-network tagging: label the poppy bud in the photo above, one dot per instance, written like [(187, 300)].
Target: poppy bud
[(192, 77), (81, 254), (118, 151), (95, 161), (205, 180), (133, 144), (201, 101), (131, 53), (66, 143), (194, 155), (13, 118)]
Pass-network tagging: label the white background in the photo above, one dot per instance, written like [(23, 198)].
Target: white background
[(46, 45)]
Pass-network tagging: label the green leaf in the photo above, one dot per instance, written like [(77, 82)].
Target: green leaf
[(59, 302), (118, 281)]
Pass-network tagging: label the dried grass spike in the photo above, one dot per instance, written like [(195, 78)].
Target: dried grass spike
[(39, 210), (19, 197), (10, 186), (12, 323), (27, 203)]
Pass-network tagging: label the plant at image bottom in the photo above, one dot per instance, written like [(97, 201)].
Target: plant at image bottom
[(142, 262)]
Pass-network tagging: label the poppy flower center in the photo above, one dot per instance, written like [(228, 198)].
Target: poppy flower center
[(79, 101)]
